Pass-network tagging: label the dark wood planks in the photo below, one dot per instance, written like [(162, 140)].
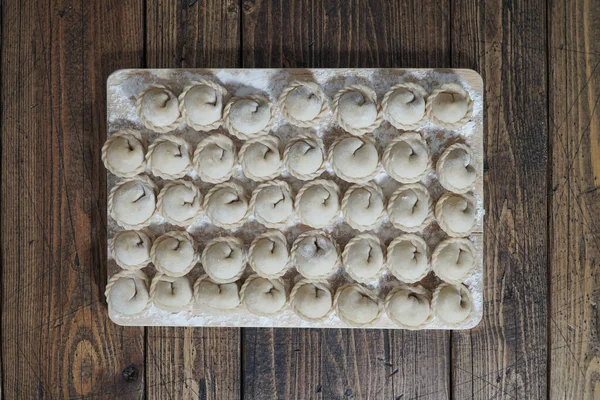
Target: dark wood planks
[(57, 340), (506, 356), (574, 77)]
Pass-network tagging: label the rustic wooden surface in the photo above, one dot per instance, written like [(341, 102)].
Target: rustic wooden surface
[(540, 333)]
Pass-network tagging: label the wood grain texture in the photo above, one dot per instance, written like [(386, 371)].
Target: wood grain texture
[(574, 77), (57, 340), (506, 356)]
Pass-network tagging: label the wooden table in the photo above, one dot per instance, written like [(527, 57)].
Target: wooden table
[(540, 332)]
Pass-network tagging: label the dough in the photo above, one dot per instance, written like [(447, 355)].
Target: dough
[(272, 203), (452, 304), (127, 292), (201, 105), (219, 296), (304, 157), (404, 105), (247, 117), (174, 253), (261, 159), (224, 259), (215, 158), (407, 158), (410, 208), (454, 260), (457, 168), (131, 249), (456, 214), (263, 296), (409, 306), (354, 159), (312, 301), (303, 104), (356, 109), (362, 206), (226, 205), (124, 153), (450, 106), (180, 202), (269, 256), (356, 306), (315, 255), (132, 202), (363, 258), (170, 293), (169, 157), (318, 203), (408, 258), (158, 109)]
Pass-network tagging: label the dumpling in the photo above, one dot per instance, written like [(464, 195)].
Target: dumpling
[(269, 256), (226, 205), (408, 258), (132, 202), (201, 105), (449, 106), (263, 296), (454, 260), (303, 104), (272, 204), (131, 249), (127, 292), (410, 208), (158, 109), (409, 306), (170, 293), (247, 117), (315, 255), (224, 259), (452, 304), (354, 159), (363, 258), (456, 214), (124, 153), (318, 203), (261, 159), (407, 158), (168, 157), (215, 158), (357, 306), (174, 253), (304, 157), (363, 206), (180, 202), (404, 105), (356, 109), (312, 300), (457, 168), (218, 296)]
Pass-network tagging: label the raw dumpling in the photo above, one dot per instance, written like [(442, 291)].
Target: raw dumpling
[(180, 202), (452, 304), (247, 117), (215, 158), (127, 292), (174, 253), (450, 106), (318, 203), (169, 157), (201, 105), (132, 202), (218, 296), (158, 109), (269, 256), (263, 296), (404, 105), (454, 260), (354, 159), (304, 157), (124, 153), (410, 208), (408, 258), (456, 214), (315, 255), (224, 259), (261, 159), (226, 205), (457, 168), (409, 306), (356, 109), (272, 203), (407, 159), (362, 206), (312, 300), (131, 249), (170, 293), (303, 104), (363, 258), (356, 306)]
